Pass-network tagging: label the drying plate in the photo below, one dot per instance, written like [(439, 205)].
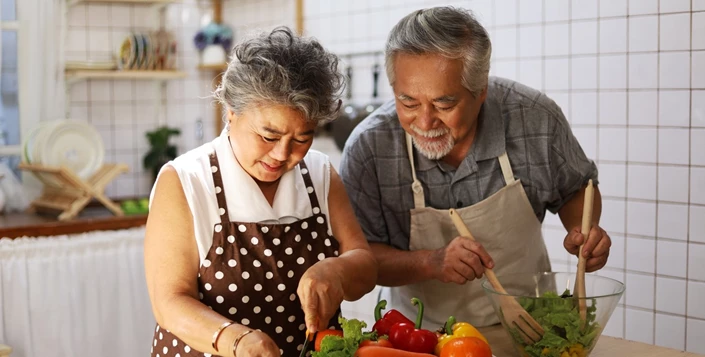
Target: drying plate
[(73, 144)]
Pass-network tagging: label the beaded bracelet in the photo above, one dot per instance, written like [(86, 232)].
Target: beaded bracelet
[(237, 340), (217, 334)]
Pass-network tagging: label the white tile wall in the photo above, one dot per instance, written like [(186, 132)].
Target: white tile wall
[(639, 325), (670, 295), (630, 76), (670, 331)]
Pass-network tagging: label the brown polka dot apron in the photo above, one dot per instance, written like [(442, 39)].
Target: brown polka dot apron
[(252, 270)]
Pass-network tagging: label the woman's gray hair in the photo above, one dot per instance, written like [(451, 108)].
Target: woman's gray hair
[(451, 32), (281, 68)]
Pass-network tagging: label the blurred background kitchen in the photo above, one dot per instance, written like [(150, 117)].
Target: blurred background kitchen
[(628, 74)]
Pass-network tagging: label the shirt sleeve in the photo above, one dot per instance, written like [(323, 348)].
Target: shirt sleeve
[(570, 167), (357, 170)]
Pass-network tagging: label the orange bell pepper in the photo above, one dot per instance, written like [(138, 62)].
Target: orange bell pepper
[(454, 330)]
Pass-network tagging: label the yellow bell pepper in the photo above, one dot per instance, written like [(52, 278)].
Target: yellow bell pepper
[(454, 330)]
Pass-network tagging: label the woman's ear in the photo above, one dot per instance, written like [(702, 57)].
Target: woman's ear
[(230, 116)]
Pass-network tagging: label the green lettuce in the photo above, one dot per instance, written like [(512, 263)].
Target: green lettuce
[(560, 319)]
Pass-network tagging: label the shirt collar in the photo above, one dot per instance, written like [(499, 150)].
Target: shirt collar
[(291, 199)]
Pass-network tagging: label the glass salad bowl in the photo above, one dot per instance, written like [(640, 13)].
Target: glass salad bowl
[(547, 297)]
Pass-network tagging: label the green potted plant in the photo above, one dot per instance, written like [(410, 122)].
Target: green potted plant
[(160, 151)]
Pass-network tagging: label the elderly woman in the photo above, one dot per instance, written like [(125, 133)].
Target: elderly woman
[(251, 238)]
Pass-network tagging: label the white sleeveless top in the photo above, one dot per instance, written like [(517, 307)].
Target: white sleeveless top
[(245, 200)]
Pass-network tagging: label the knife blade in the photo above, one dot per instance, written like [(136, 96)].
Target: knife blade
[(309, 337)]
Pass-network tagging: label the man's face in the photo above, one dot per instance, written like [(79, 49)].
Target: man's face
[(433, 106)]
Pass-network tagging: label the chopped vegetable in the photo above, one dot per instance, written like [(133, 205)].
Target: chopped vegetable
[(561, 322)]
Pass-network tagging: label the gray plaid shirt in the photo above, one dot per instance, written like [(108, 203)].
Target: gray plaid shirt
[(525, 123)]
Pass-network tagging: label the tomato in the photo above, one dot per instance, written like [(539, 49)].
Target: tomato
[(382, 342), (324, 333), (466, 347)]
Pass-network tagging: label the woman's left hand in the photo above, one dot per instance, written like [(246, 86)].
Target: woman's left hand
[(321, 293)]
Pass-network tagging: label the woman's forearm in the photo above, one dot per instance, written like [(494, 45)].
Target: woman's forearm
[(358, 271), (195, 324)]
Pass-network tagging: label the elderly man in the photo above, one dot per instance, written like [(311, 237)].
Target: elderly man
[(498, 152)]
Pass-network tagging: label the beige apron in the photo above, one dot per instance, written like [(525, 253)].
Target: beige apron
[(504, 223)]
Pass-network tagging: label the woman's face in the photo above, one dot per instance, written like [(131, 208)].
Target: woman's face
[(270, 140)]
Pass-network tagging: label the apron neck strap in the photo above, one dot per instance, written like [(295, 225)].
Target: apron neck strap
[(309, 187), (219, 190), (506, 168), (416, 188)]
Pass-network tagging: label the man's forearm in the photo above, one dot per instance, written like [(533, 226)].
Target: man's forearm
[(400, 267), (571, 213)]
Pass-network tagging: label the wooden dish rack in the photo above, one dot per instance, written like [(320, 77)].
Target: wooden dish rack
[(67, 194)]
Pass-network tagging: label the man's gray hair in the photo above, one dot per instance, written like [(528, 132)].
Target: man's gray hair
[(451, 32), (281, 68)]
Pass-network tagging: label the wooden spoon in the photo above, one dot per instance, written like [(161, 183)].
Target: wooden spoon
[(579, 290), (514, 313)]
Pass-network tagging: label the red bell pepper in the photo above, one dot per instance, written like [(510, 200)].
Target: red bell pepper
[(392, 317), (412, 338)]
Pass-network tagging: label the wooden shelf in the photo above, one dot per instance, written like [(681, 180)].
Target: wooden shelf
[(72, 76), (213, 67), (15, 225)]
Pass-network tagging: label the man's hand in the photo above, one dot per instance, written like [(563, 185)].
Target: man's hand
[(460, 261), (596, 249)]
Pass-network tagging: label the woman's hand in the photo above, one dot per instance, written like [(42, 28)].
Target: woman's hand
[(321, 293), (257, 344)]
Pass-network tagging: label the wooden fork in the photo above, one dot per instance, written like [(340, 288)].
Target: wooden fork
[(514, 315)]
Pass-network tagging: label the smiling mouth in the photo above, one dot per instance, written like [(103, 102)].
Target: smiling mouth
[(271, 168)]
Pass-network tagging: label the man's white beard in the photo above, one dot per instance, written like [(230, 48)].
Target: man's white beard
[(437, 149)]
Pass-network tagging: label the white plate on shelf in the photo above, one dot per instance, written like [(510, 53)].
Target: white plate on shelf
[(73, 144), (28, 146)]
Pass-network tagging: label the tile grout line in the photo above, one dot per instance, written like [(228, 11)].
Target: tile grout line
[(570, 61), (543, 46), (518, 39), (658, 120), (598, 120), (626, 177), (690, 173), (587, 55)]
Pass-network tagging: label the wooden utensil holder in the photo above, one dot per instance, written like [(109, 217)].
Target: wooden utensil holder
[(67, 194)]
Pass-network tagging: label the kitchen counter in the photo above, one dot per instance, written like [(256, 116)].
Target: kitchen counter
[(606, 346), (96, 218)]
